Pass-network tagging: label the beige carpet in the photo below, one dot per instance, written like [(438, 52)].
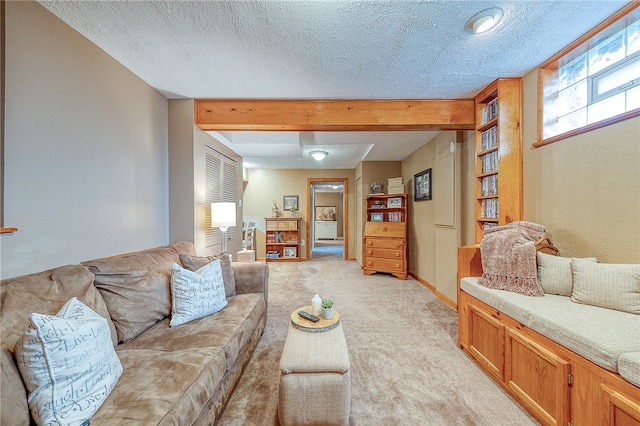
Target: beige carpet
[(405, 363)]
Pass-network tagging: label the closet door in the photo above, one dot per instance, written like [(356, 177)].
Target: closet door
[(220, 185)]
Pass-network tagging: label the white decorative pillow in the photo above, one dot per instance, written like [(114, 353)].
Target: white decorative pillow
[(68, 364), (196, 294), (554, 273), (608, 285)]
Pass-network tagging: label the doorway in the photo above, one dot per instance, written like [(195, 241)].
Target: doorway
[(327, 210)]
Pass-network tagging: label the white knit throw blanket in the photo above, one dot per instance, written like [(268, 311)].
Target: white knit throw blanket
[(508, 256)]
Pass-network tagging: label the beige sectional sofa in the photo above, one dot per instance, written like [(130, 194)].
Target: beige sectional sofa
[(179, 375), (565, 359)]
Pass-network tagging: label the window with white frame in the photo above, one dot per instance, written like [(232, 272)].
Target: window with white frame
[(597, 80)]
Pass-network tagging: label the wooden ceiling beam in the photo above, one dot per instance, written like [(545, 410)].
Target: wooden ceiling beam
[(334, 115)]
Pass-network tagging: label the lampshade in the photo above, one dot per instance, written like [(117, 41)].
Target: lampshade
[(318, 155), (223, 214)]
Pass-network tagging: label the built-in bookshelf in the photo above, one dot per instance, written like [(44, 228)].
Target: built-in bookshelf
[(498, 154)]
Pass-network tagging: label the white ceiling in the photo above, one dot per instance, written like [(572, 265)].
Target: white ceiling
[(329, 49)]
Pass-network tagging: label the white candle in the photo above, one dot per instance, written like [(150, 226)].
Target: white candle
[(316, 305)]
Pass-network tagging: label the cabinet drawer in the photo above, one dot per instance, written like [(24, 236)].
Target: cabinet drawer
[(384, 264), (384, 253), (384, 243)]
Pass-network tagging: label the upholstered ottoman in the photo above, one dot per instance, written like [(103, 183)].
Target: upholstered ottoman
[(315, 378)]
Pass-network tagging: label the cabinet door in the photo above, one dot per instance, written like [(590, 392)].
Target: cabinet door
[(622, 410), (486, 341), (538, 378)]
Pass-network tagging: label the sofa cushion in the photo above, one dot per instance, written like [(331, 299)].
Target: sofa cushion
[(629, 367), (68, 364), (554, 273), (46, 292), (194, 263), (228, 330), (597, 334), (608, 285), (136, 287), (196, 294), (162, 387)]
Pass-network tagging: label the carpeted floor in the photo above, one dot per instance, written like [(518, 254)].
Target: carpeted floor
[(405, 363)]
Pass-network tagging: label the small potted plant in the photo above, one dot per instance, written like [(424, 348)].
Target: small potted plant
[(327, 309), (293, 211)]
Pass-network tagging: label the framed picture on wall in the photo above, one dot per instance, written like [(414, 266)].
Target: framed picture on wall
[(289, 202), (422, 185), (326, 213)]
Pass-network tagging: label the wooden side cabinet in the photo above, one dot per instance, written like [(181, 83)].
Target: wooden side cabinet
[(385, 235)]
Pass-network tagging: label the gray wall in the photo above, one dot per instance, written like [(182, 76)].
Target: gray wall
[(86, 172)]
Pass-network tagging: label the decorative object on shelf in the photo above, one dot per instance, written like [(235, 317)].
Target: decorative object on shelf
[(290, 202), (377, 217), (290, 252), (275, 211), (294, 211), (325, 212), (377, 188), (223, 215), (394, 202), (422, 185), (327, 309), (316, 305)]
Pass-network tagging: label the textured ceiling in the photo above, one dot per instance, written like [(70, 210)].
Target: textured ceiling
[(402, 49)]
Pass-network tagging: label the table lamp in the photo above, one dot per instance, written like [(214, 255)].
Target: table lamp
[(223, 215)]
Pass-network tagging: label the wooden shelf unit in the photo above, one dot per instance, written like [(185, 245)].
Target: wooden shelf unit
[(385, 241), (282, 239), (498, 141)]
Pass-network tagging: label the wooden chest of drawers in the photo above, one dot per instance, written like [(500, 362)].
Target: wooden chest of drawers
[(385, 249)]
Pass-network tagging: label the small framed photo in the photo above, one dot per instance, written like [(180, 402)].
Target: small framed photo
[(289, 202), (394, 202), (290, 252), (377, 217), (422, 185)]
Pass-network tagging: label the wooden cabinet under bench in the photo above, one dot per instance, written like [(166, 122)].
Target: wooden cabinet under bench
[(554, 384)]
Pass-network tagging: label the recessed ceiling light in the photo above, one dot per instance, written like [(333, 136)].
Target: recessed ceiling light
[(483, 21), (318, 155)]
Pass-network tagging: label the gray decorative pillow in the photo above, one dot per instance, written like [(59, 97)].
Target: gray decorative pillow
[(193, 263), (608, 285), (554, 273)]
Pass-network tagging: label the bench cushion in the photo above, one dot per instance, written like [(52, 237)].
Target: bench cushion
[(598, 334), (629, 367)]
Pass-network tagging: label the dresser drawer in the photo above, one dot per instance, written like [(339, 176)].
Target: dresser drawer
[(384, 253), (385, 243), (386, 265)]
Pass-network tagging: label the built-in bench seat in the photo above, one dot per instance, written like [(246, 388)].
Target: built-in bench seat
[(565, 362), (598, 334)]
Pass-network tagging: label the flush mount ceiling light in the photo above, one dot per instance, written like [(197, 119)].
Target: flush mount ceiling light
[(318, 155), (483, 21)]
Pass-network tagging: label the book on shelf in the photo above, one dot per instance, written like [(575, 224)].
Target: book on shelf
[(489, 138), (489, 208), (490, 111), (489, 162), (489, 185)]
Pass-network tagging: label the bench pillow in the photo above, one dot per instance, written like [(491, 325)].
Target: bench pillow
[(608, 285), (554, 273)]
